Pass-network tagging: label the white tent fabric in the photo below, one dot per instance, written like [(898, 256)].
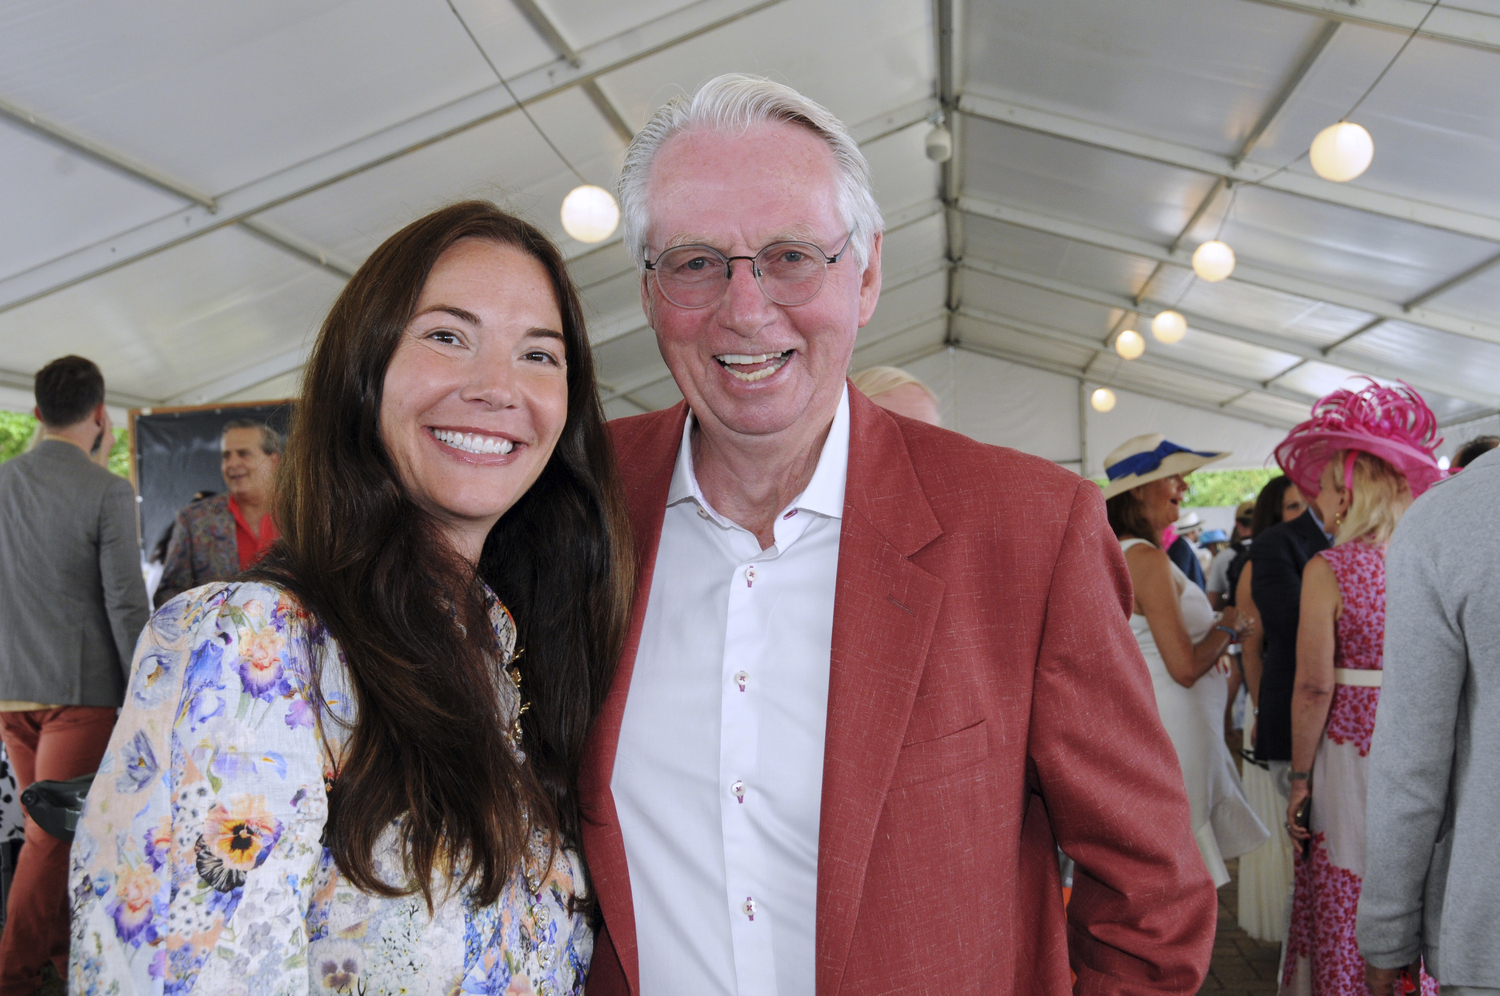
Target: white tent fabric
[(187, 186)]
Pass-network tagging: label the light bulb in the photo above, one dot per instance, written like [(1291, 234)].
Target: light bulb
[(1130, 344), (1342, 151), (1102, 400), (590, 214), (1213, 261), (940, 144), (1169, 326)]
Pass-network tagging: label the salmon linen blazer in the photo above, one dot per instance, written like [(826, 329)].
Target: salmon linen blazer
[(987, 702)]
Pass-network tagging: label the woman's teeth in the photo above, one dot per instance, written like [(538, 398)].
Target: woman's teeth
[(774, 361), (473, 442)]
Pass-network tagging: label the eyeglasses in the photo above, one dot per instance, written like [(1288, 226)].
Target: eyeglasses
[(789, 273)]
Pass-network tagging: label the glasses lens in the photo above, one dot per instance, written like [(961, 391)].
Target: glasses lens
[(791, 272), (691, 276)]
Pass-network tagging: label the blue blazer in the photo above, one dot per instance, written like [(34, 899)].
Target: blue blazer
[(1279, 554)]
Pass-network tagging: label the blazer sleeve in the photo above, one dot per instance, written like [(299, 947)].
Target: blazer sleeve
[(125, 599), (1276, 584), (1412, 752), (1143, 910), (177, 569)]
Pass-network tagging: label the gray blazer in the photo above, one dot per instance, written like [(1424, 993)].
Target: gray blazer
[(70, 568), (1432, 868)]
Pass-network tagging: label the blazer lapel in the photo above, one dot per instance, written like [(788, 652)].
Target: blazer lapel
[(885, 608), (646, 457)]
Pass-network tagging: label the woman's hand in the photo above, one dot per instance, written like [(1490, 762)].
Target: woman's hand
[(1388, 981), (1301, 791)]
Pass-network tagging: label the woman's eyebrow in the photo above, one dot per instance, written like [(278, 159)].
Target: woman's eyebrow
[(541, 333), (456, 312)]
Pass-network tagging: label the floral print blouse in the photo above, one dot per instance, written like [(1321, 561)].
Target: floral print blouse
[(198, 865)]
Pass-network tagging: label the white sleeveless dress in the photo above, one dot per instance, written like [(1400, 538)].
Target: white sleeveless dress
[(1224, 822)]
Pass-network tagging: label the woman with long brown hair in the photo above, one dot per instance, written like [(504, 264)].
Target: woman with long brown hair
[(342, 773)]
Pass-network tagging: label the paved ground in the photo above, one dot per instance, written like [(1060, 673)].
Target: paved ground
[(1242, 966)]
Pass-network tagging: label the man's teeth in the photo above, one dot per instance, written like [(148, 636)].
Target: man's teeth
[(473, 442), (731, 360)]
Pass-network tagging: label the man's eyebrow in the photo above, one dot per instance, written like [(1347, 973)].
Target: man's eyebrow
[(797, 233), (456, 312)]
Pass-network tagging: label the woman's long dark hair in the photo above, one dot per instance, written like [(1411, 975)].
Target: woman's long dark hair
[(1268, 504), (428, 747)]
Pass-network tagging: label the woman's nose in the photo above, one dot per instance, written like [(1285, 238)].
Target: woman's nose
[(491, 380)]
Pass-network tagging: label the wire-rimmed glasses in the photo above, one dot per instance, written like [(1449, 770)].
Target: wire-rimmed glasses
[(789, 273)]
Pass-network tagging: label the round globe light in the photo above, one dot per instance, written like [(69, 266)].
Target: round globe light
[(1213, 261), (1130, 344), (1342, 151), (590, 214), (1444, 463), (1102, 400), (940, 144), (1169, 326)]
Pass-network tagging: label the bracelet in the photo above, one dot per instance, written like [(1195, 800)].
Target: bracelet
[(1298, 776), (1233, 636)]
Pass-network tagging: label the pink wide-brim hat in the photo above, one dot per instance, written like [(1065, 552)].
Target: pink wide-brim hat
[(1392, 423)]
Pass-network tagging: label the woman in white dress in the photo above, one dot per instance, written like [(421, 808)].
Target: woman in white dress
[(1183, 641)]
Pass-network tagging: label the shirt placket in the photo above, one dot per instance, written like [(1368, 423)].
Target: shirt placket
[(744, 692)]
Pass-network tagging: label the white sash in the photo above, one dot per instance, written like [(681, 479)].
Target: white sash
[(1356, 676)]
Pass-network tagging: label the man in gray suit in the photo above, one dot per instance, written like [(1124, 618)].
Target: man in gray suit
[(1432, 871), (74, 603)]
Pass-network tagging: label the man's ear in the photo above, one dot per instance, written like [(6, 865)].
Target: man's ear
[(869, 282), (100, 415)]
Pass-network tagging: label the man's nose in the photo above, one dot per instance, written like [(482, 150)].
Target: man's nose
[(745, 309)]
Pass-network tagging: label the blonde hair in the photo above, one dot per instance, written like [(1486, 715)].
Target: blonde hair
[(873, 381), (1381, 496)]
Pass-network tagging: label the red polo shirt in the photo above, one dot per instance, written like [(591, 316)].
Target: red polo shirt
[(252, 546)]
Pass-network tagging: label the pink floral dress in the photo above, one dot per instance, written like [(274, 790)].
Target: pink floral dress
[(1322, 957)]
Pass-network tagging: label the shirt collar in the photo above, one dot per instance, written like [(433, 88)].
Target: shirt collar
[(1313, 511), (824, 494)]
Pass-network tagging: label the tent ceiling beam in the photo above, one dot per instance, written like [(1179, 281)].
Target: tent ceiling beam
[(1267, 118), (950, 183), (1244, 272), (1447, 219), (553, 36), (418, 132), (1063, 370), (1266, 340), (1449, 24), (86, 147), (1149, 361)]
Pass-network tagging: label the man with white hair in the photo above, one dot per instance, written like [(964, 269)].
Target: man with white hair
[(877, 672)]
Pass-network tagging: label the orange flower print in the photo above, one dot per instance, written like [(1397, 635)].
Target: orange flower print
[(260, 662), (133, 905), (236, 838)]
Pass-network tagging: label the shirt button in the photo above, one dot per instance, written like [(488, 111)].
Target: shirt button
[(750, 576), (738, 788), (748, 907), (742, 678), (702, 512), (790, 514)]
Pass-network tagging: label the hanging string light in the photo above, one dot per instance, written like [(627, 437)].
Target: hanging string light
[(1130, 344), (1213, 261), (1102, 400), (589, 212), (1169, 326), (1344, 149)]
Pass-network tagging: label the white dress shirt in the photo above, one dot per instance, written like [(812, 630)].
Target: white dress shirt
[(718, 777)]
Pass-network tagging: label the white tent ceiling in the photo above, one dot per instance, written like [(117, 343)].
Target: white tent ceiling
[(186, 186)]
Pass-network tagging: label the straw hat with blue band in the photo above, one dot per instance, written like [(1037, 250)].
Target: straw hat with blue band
[(1150, 458)]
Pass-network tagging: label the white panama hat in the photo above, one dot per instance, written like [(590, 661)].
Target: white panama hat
[(1150, 458)]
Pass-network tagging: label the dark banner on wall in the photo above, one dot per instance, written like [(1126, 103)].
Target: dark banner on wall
[(174, 455)]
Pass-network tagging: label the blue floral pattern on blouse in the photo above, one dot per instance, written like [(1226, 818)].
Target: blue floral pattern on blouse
[(198, 865)]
